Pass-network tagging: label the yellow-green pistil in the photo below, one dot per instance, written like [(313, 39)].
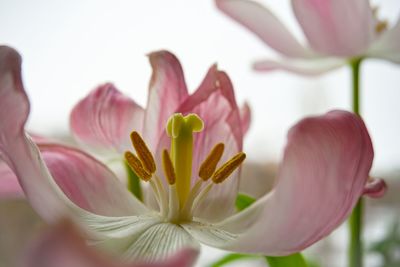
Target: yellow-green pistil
[(180, 129)]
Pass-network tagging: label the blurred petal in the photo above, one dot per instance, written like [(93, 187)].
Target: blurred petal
[(265, 25), (375, 188), (63, 246), (9, 186), (167, 90), (325, 167), (245, 117), (336, 27), (214, 102), (24, 158), (105, 118), (387, 46), (303, 67)]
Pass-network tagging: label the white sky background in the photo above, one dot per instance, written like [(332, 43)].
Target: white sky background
[(69, 47)]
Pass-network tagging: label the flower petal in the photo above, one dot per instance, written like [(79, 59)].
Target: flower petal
[(64, 246), (167, 90), (336, 27), (9, 186), (375, 188), (88, 183), (387, 46), (245, 117), (159, 242), (105, 118), (265, 25), (325, 167), (66, 164), (214, 102), (303, 67)]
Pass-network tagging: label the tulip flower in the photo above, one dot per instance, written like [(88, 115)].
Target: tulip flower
[(188, 160), (338, 31), (64, 246)]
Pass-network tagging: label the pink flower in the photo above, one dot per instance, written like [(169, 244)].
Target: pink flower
[(337, 32), (323, 172), (64, 246)]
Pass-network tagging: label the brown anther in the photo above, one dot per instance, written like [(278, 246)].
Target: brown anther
[(209, 165), (137, 167), (381, 26), (143, 152), (168, 168), (225, 170)]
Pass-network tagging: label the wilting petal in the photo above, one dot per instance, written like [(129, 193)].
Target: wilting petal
[(387, 46), (9, 186), (265, 25), (24, 158), (336, 27), (167, 90), (303, 67), (63, 246), (105, 118), (245, 117), (323, 173), (375, 188)]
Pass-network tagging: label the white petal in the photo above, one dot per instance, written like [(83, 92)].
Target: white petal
[(304, 67), (265, 25), (160, 241)]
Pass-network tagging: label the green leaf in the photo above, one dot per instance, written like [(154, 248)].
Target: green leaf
[(243, 201), (231, 258), (133, 183), (294, 260)]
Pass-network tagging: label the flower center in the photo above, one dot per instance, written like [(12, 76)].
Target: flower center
[(179, 202)]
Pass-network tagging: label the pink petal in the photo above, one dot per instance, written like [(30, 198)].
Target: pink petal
[(105, 118), (309, 67), (375, 188), (64, 246), (9, 186), (336, 27), (264, 24), (167, 90), (245, 117), (324, 169), (68, 166), (387, 46), (215, 103)]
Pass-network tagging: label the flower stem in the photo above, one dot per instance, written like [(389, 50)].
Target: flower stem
[(355, 221)]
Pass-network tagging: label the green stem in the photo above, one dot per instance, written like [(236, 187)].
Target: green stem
[(355, 221), (133, 182)]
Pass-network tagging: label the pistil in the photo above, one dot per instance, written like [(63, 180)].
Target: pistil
[(181, 130)]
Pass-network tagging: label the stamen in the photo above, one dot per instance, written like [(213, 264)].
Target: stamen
[(137, 166), (381, 26), (209, 165), (143, 152), (225, 170), (168, 168)]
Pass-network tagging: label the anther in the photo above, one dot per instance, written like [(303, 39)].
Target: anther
[(225, 170), (168, 168), (143, 152), (136, 166), (209, 165), (381, 26)]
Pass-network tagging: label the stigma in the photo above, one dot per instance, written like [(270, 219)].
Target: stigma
[(178, 196)]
